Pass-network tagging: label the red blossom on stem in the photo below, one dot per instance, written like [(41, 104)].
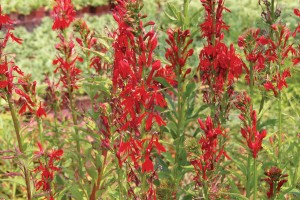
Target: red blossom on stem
[(264, 53), (63, 14), (136, 92), (211, 152), (177, 54), (88, 41), (66, 63), (249, 131), (134, 71), (275, 180), (46, 168), (219, 65), (7, 67), (28, 98)]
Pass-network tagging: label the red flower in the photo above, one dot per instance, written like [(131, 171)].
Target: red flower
[(178, 53), (219, 65), (46, 169), (4, 19), (147, 165), (297, 12), (275, 180), (249, 131), (211, 153), (66, 63), (40, 112), (63, 13)]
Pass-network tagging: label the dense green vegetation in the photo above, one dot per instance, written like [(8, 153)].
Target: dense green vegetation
[(25, 7)]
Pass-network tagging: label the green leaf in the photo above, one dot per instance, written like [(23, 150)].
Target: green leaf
[(165, 83), (98, 161), (189, 89), (74, 190), (17, 180), (170, 16), (239, 196), (173, 10), (100, 54)]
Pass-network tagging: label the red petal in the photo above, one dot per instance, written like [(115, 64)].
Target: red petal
[(147, 165)]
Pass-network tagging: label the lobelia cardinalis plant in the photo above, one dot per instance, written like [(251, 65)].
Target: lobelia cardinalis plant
[(275, 180), (143, 131), (7, 87), (206, 158), (135, 96), (253, 137), (219, 65), (66, 60), (47, 168)]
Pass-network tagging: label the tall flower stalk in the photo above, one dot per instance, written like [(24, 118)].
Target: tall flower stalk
[(206, 156), (64, 14), (176, 74), (219, 65), (7, 86), (253, 137), (135, 96)]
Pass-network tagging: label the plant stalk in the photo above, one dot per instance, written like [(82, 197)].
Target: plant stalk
[(40, 127), (20, 144), (255, 180)]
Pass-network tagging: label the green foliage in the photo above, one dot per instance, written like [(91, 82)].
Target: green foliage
[(25, 7)]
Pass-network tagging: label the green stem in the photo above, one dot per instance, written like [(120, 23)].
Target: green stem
[(248, 175), (251, 81), (74, 117), (205, 190), (280, 124), (40, 127), (19, 139), (180, 131), (272, 9), (186, 14), (97, 184), (255, 180), (119, 181)]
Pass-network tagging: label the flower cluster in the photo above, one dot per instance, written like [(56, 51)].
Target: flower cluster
[(136, 93), (275, 180), (263, 52), (63, 14), (252, 43), (47, 168), (249, 131), (213, 25), (177, 54), (219, 65), (278, 51), (7, 66), (89, 42), (134, 71), (65, 61), (211, 153), (28, 97)]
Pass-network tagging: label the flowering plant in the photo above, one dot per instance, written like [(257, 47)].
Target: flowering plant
[(153, 110)]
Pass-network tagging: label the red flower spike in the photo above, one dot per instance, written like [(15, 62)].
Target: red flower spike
[(211, 153), (249, 131), (63, 14), (275, 180), (219, 64), (46, 169)]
